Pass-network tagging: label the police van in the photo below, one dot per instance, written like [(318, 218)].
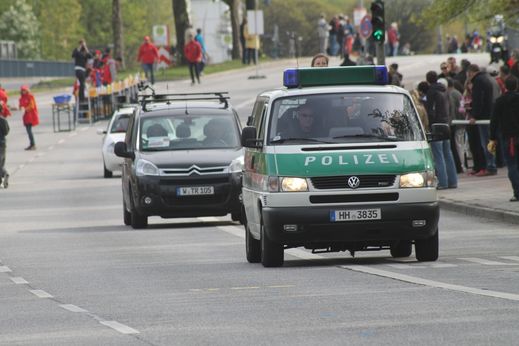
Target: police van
[(337, 160)]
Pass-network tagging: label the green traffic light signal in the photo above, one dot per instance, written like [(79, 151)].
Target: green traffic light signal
[(377, 21), (378, 35)]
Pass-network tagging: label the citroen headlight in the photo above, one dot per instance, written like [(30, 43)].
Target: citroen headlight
[(292, 184), (236, 165), (144, 167), (422, 179)]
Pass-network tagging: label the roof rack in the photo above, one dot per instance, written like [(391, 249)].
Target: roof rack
[(221, 96)]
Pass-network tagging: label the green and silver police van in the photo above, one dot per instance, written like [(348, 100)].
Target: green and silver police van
[(337, 160)]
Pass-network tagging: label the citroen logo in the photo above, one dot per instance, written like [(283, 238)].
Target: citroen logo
[(353, 182)]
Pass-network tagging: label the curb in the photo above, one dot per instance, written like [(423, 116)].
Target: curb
[(480, 211)]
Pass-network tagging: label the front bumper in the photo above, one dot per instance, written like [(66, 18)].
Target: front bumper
[(314, 225), (166, 203)]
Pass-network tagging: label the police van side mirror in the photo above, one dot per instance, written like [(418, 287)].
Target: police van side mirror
[(248, 137), (121, 150), (439, 132)]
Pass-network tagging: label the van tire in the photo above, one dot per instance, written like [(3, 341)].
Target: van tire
[(252, 247), (272, 253), (427, 249), (106, 172), (402, 248), (127, 216)]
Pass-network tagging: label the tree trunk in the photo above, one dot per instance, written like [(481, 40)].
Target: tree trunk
[(117, 30), (181, 24), (234, 6)]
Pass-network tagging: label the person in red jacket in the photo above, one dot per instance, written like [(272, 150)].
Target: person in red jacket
[(30, 116), (4, 108), (148, 55), (193, 54)]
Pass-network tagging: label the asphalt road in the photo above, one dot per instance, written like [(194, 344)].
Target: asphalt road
[(72, 274)]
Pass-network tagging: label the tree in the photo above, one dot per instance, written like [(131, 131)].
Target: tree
[(443, 11), (19, 24), (182, 23), (234, 6), (59, 34), (117, 30)]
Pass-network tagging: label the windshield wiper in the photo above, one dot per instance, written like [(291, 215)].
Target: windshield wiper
[(314, 140), (386, 138)]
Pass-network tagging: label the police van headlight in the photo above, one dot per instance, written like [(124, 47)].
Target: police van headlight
[(422, 179), (293, 184), (144, 167)]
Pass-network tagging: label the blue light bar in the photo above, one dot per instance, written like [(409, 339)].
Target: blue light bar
[(329, 76)]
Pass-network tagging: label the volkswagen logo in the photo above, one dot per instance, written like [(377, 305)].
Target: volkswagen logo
[(353, 182)]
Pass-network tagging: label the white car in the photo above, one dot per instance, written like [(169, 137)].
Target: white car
[(114, 133)]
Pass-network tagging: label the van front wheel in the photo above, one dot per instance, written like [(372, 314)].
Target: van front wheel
[(427, 249), (272, 253), (252, 247)]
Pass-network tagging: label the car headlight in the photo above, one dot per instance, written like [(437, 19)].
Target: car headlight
[(144, 167), (500, 39), (292, 184), (423, 179), (493, 40), (236, 165)]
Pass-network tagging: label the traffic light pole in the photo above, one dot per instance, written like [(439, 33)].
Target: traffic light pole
[(381, 56)]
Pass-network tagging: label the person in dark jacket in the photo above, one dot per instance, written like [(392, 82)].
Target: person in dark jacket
[(81, 56), (504, 124), (482, 103), (437, 106), (4, 130)]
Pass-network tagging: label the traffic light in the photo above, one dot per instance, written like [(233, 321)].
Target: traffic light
[(377, 21)]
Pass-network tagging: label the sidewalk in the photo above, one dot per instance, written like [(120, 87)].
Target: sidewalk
[(487, 197)]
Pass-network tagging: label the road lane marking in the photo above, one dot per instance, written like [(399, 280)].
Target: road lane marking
[(245, 288), (19, 280), (209, 219), (383, 273), (484, 261), (280, 286), (5, 269), (422, 265), (41, 294), (431, 283), (121, 328), (510, 258), (72, 308), (234, 230), (245, 103)]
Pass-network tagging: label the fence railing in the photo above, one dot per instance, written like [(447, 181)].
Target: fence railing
[(35, 68)]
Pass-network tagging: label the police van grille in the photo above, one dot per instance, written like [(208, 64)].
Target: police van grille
[(341, 181)]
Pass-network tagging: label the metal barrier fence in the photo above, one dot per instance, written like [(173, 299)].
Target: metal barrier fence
[(35, 68)]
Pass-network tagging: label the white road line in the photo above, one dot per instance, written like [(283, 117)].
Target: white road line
[(209, 219), (121, 328), (485, 262), (245, 288), (280, 286), (401, 277), (431, 283), (405, 266), (510, 258), (234, 230), (245, 103), (5, 269), (422, 265), (19, 281), (72, 308), (40, 293)]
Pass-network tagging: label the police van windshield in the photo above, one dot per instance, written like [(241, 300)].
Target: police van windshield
[(344, 118), (188, 132)]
